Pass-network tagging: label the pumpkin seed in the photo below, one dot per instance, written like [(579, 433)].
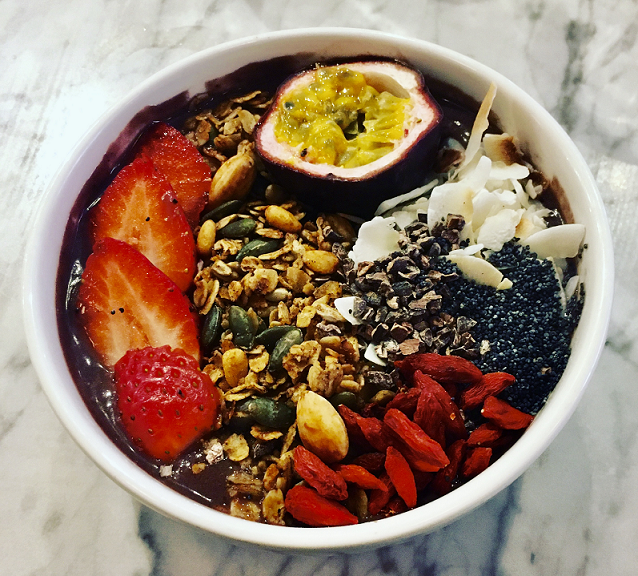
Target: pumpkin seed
[(271, 336), (238, 229), (211, 329), (226, 209), (242, 326), (257, 248), (269, 412), (283, 346), (349, 399)]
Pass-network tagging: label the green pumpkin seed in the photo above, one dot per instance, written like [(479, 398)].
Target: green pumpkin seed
[(223, 210), (257, 248), (271, 336), (349, 399), (238, 229), (269, 412), (283, 346), (242, 327), (211, 329)]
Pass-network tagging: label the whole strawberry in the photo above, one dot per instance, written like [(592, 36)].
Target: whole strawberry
[(165, 401)]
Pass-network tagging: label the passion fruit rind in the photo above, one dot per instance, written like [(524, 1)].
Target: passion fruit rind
[(357, 190)]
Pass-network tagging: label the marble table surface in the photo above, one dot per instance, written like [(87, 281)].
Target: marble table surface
[(62, 64)]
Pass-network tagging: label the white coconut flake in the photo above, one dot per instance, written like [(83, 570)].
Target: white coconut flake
[(562, 241), (377, 238), (498, 229), (371, 355), (477, 269), (345, 306), (390, 203), (450, 198), (481, 124), (501, 171), (570, 287)]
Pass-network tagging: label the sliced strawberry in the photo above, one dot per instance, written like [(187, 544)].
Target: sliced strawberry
[(126, 303), (183, 166), (165, 401), (139, 208)]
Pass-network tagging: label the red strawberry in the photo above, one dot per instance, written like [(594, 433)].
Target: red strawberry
[(165, 401), (183, 166), (126, 303), (139, 208)]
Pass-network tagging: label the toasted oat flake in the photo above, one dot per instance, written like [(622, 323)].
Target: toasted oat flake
[(236, 448)]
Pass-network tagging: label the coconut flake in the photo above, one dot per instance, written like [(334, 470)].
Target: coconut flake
[(377, 238), (477, 269), (345, 306), (390, 203), (450, 198), (502, 171), (371, 355), (498, 229), (562, 241), (481, 124)]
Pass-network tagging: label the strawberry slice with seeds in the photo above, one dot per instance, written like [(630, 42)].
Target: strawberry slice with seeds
[(139, 208), (183, 166), (126, 303), (165, 401)]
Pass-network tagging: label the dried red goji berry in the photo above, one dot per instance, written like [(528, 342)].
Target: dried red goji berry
[(485, 435), (379, 498), (401, 476), (350, 419), (478, 459), (444, 369), (307, 506), (396, 505), (359, 476), (422, 479), (451, 415), (372, 461), (375, 432), (417, 447), (405, 401), (490, 385), (443, 479), (320, 476), (504, 415), (429, 415)]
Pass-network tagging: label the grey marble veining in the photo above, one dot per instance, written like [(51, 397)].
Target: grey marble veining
[(62, 64)]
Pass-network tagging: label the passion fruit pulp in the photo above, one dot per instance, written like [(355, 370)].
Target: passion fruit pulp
[(346, 137)]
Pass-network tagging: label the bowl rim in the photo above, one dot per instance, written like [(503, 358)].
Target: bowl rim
[(45, 351)]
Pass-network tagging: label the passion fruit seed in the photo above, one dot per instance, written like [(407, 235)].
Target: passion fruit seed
[(340, 119)]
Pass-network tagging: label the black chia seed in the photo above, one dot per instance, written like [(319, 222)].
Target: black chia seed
[(526, 327)]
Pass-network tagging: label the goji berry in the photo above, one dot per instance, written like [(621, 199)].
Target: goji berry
[(350, 419), (396, 505), (359, 476), (401, 476), (308, 506), (375, 432), (490, 385), (477, 460), (485, 435), (372, 461), (379, 498), (444, 369), (451, 415), (405, 401), (429, 416), (422, 479), (320, 476), (443, 479), (417, 447), (504, 415)]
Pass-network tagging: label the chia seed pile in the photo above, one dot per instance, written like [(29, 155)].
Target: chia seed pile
[(416, 300)]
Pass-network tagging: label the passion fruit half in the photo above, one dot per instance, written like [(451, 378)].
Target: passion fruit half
[(344, 138)]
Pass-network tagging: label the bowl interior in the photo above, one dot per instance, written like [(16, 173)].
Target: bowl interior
[(541, 137)]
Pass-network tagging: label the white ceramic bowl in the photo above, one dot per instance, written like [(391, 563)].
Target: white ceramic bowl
[(542, 138)]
